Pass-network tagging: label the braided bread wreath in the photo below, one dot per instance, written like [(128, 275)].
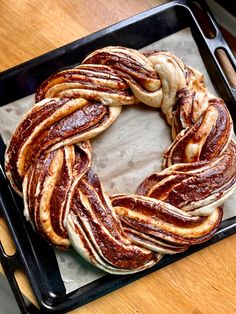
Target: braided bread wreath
[(48, 160)]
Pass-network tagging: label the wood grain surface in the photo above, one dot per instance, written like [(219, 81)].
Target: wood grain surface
[(204, 282)]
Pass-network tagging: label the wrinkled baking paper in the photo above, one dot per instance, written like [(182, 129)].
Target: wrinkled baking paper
[(125, 154)]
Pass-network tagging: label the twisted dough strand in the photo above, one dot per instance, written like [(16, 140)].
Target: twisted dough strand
[(48, 160)]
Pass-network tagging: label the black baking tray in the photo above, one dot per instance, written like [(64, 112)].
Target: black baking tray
[(33, 255)]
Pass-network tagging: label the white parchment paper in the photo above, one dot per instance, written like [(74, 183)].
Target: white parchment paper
[(125, 154)]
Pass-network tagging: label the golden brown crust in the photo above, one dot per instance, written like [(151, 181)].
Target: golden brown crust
[(49, 153)]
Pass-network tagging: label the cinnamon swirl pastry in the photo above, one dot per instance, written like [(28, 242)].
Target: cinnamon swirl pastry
[(48, 160)]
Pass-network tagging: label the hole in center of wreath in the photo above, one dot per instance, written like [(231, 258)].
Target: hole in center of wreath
[(131, 149)]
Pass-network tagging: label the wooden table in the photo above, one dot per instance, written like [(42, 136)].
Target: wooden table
[(201, 283)]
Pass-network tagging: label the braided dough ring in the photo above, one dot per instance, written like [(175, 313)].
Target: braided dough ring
[(48, 160)]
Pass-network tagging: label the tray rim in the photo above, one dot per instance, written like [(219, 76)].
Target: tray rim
[(211, 43), (225, 228)]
